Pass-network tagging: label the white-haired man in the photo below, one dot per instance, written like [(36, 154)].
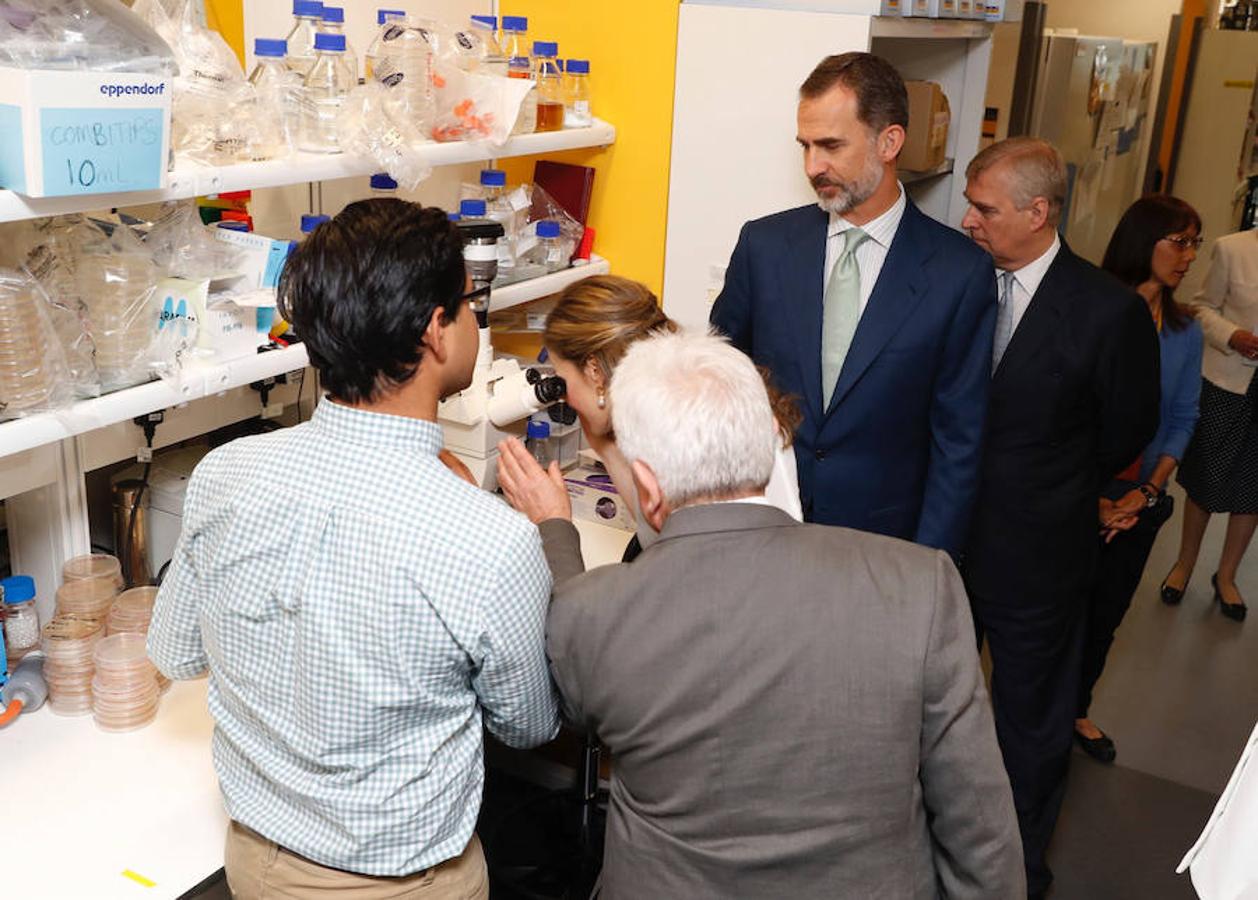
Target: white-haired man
[(794, 710)]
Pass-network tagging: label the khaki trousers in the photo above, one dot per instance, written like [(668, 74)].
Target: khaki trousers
[(259, 869)]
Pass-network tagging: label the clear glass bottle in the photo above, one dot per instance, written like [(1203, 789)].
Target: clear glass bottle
[(275, 88), (537, 442), (383, 185), (308, 17), (550, 111), (526, 122), (577, 112), (21, 619), (372, 56), (405, 66), (549, 251), (493, 183), (327, 84), (334, 23), (515, 36), (492, 59)]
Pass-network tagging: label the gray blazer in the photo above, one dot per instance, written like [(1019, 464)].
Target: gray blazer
[(794, 711)]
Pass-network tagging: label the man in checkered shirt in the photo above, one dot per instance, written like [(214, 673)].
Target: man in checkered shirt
[(361, 610)]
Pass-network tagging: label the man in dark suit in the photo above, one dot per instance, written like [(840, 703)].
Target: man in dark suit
[(794, 710), (1074, 400), (876, 317)]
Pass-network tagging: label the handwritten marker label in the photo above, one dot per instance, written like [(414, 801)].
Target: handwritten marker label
[(101, 151), (138, 879)]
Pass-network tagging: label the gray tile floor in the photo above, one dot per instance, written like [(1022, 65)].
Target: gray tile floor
[(1179, 697)]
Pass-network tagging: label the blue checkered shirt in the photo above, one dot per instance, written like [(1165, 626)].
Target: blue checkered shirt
[(361, 611)]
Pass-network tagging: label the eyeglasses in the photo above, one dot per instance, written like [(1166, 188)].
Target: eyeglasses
[(1184, 243)]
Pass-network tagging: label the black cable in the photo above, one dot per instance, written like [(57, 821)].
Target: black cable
[(149, 423)]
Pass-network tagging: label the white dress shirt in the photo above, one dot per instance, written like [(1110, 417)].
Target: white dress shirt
[(871, 254), (1026, 281)]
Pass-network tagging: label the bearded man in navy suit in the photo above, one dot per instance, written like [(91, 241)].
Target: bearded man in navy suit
[(878, 318)]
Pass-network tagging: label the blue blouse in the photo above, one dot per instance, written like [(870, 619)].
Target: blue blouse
[(1181, 389)]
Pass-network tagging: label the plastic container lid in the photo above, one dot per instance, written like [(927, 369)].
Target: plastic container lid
[(578, 67), (539, 430), (473, 208), (335, 14), (18, 588), (270, 47), (547, 229), (310, 8), (332, 43), (493, 177), (545, 48), (454, 217), (384, 15), (515, 23), (488, 21), (382, 182), (310, 223)]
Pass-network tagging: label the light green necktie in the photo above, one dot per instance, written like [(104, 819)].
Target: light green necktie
[(841, 312)]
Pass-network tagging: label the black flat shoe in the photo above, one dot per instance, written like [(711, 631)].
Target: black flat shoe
[(1101, 749), (1171, 596), (1234, 611)]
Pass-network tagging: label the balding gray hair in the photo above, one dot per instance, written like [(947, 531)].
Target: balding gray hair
[(1035, 169)]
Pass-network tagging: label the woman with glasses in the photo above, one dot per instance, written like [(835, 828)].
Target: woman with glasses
[(1220, 470), (1151, 249)]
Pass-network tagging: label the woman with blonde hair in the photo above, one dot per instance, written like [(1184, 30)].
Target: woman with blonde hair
[(587, 334)]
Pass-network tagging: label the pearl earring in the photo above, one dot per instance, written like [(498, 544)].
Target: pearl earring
[(602, 400)]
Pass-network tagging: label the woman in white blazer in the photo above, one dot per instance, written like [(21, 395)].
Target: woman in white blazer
[(1220, 468)]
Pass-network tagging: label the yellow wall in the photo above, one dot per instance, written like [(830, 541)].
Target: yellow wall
[(632, 48), (228, 18)]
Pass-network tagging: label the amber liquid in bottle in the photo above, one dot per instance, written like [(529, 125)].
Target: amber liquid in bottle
[(549, 116)]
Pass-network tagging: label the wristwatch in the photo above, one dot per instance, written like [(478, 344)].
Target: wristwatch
[(1151, 495)]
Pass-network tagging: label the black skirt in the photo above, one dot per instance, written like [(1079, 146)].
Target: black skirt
[(1220, 467)]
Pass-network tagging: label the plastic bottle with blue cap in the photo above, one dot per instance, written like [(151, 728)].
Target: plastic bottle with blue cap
[(578, 112), (307, 19), (334, 23), (472, 209), (326, 86), (537, 442), (310, 222), (21, 619), (549, 251), (493, 185), (383, 185), (491, 60), (384, 19)]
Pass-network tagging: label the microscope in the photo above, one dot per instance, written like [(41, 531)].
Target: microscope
[(502, 392)]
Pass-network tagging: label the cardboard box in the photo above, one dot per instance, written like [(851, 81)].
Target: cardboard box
[(77, 133), (926, 145), (595, 499)]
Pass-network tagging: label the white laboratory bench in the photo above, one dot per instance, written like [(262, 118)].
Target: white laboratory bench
[(132, 816)]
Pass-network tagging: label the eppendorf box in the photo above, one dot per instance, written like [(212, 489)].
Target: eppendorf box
[(70, 133)]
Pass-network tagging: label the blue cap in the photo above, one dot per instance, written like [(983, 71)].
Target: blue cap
[(540, 430), (473, 208), (382, 182), (578, 67), (232, 225), (454, 217), (268, 47), (491, 21), (547, 229), (310, 223), (384, 15), (493, 178), (515, 23), (333, 42), (308, 8), (545, 48), (334, 14), (18, 588)]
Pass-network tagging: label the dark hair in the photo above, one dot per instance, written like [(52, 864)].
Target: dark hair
[(881, 98), (361, 289), (1129, 255)]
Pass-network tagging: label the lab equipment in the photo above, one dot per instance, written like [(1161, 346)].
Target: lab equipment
[(334, 23), (537, 442), (498, 207), (21, 619), (33, 375), (405, 66), (99, 568), (577, 112), (307, 19), (490, 59), (125, 689), (277, 90), (26, 691), (501, 392), (526, 122), (86, 598), (372, 56), (326, 85), (383, 186), (132, 611), (550, 105), (515, 36), (550, 251), (69, 642), (130, 509)]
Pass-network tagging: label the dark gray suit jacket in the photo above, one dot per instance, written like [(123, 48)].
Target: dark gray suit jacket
[(794, 711)]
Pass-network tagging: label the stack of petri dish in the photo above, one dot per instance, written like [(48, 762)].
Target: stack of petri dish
[(118, 290), (99, 567), (132, 611), (69, 642), (86, 598), (26, 381), (125, 688)]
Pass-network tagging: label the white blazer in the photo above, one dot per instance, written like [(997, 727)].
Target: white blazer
[(1228, 301), (1223, 861)]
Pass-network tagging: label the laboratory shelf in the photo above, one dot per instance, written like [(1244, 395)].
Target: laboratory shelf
[(194, 180), (536, 288), (912, 176), (920, 27)]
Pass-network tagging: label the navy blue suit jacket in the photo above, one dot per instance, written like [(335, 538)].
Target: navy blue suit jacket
[(898, 450)]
